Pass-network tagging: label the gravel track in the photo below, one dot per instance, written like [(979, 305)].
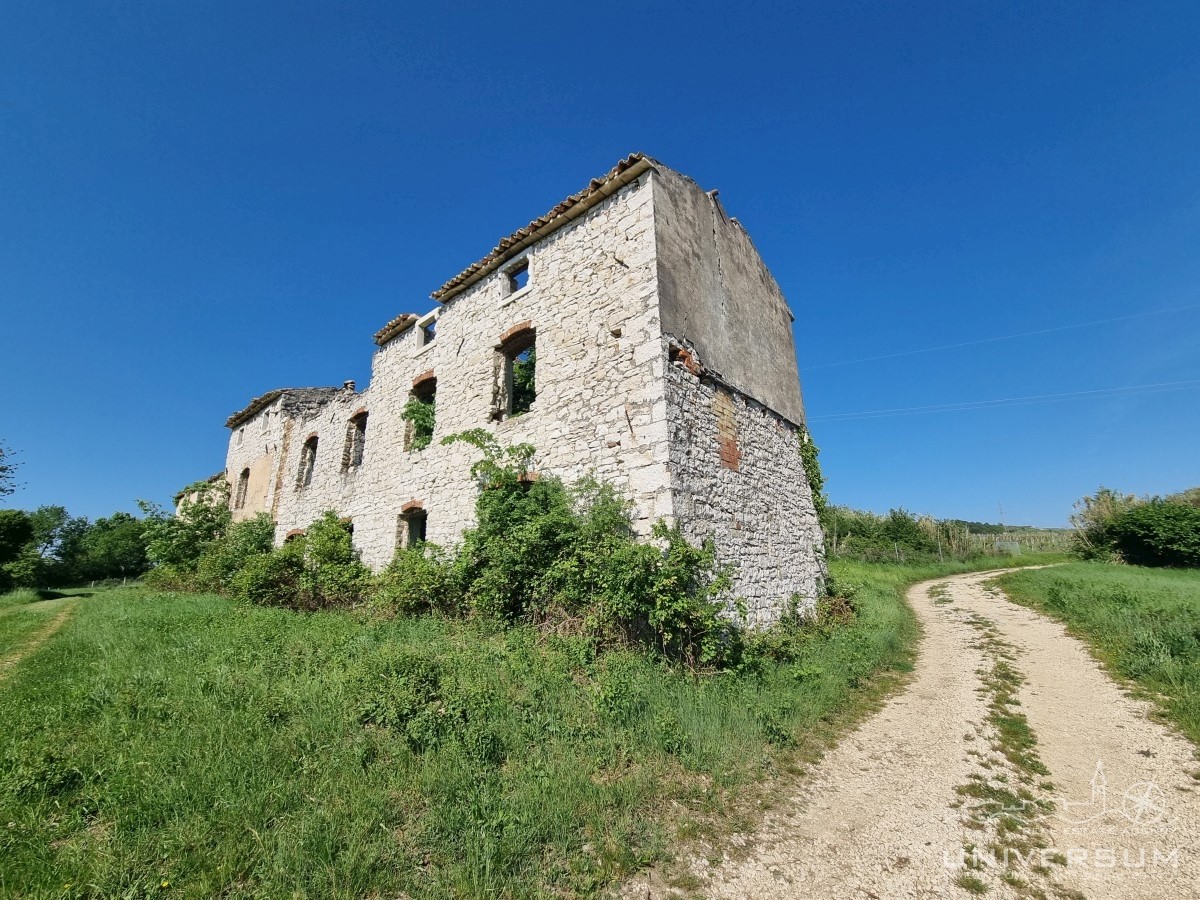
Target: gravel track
[(884, 814)]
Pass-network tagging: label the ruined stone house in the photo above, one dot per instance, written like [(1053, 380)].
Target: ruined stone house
[(632, 333)]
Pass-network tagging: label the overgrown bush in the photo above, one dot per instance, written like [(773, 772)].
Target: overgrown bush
[(420, 413), (222, 559), (420, 580), (809, 459), (271, 579), (175, 543), (311, 571), (541, 551), (1148, 531), (897, 536), (1093, 519), (1158, 533)]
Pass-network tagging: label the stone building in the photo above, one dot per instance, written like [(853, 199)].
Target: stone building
[(632, 333)]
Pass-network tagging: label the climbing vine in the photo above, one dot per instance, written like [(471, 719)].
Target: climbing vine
[(809, 451)]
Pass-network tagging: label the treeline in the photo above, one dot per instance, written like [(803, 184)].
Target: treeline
[(49, 547), (1146, 531), (897, 536)]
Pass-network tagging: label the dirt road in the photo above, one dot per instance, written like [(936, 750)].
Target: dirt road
[(1011, 765)]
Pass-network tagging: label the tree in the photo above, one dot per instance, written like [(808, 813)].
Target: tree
[(203, 516), (114, 548), (1158, 533), (8, 471), (15, 532)]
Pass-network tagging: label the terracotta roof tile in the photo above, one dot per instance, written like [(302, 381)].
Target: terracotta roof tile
[(395, 328)]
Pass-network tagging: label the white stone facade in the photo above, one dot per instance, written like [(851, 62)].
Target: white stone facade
[(614, 400)]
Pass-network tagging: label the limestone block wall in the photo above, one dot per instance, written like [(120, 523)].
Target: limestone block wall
[(600, 407), (738, 478), (255, 445), (331, 486)]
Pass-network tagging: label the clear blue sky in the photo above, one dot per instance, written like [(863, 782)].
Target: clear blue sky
[(185, 187)]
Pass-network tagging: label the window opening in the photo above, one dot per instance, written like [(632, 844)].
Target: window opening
[(243, 484), (429, 332), (410, 529), (420, 414), (356, 441), (518, 277), (524, 381), (308, 462)]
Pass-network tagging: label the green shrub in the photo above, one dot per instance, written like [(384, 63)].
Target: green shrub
[(419, 580), (898, 536), (222, 559), (542, 550), (179, 541), (420, 413), (272, 579), (1158, 533), (310, 571)]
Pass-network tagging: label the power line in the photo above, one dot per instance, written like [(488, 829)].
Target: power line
[(1006, 337), (1010, 401)]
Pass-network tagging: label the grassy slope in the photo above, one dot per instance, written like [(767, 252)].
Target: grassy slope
[(22, 616), (220, 749), (1144, 625)]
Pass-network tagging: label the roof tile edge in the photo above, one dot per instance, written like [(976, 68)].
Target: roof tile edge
[(258, 404), (598, 189), (395, 328)]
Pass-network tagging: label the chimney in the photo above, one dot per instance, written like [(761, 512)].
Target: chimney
[(347, 385)]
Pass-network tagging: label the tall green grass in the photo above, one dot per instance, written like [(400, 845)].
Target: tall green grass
[(22, 615), (181, 745), (1143, 623)]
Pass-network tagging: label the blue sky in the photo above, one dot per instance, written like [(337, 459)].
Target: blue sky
[(186, 187)]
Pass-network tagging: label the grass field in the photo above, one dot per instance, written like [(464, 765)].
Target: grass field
[(183, 745), (1144, 625)]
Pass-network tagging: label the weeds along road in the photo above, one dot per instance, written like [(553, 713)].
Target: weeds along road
[(1011, 765)]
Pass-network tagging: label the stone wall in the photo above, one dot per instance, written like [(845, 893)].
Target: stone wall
[(254, 445), (718, 296), (738, 479), (625, 302), (600, 407)]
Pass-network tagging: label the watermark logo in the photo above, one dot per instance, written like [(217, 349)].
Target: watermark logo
[(1101, 827), (1142, 803)]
